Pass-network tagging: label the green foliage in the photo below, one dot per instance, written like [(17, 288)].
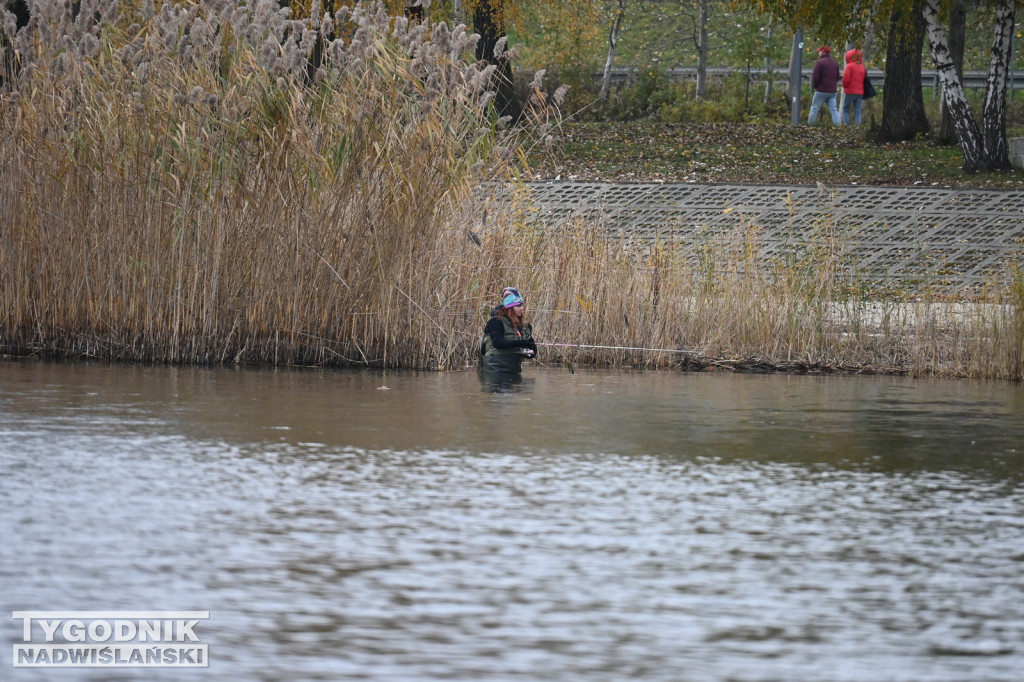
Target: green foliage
[(658, 36), (568, 37), (645, 97)]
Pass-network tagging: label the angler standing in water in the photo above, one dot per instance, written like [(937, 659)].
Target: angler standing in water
[(508, 337)]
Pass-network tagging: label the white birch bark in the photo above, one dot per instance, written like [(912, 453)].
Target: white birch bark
[(613, 43), (967, 132), (869, 33), (993, 117)]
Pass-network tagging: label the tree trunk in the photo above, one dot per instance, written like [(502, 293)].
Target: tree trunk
[(769, 82), (613, 43), (489, 22), (993, 117), (869, 34), (458, 12), (414, 12), (967, 132), (903, 116), (957, 41), (702, 49)]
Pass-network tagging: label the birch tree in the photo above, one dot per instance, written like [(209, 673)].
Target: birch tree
[(957, 43), (983, 149), (619, 14), (994, 112)]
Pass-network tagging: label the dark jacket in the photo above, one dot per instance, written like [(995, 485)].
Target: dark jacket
[(825, 76), (503, 345)]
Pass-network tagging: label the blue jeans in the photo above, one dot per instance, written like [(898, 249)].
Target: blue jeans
[(822, 98), (854, 102)]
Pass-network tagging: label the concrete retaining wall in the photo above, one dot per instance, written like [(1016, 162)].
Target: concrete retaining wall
[(935, 237), (1017, 152)]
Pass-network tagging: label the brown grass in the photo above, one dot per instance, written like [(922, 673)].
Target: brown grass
[(730, 309), (185, 216), (167, 205)]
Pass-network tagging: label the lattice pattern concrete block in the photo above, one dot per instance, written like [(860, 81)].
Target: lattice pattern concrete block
[(950, 238)]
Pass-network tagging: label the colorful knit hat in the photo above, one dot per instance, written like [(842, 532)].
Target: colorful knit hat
[(510, 298)]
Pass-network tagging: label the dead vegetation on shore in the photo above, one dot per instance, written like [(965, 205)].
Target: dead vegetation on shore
[(203, 196)]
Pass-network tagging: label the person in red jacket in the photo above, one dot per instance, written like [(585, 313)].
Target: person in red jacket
[(824, 80), (853, 86)]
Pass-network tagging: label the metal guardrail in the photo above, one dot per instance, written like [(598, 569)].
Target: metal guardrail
[(951, 239), (972, 80)]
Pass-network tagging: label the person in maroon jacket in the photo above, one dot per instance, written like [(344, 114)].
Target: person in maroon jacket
[(824, 80), (853, 86)]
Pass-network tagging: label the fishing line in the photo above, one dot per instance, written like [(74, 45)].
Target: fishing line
[(652, 350)]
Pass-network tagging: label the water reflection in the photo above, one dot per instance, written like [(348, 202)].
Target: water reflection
[(502, 382), (598, 525)]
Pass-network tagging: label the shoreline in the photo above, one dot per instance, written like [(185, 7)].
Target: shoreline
[(695, 364)]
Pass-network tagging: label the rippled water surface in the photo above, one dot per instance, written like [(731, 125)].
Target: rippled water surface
[(591, 526)]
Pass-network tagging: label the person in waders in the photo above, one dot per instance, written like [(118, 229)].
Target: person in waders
[(508, 337)]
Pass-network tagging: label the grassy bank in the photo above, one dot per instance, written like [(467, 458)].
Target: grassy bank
[(767, 152), (214, 195)]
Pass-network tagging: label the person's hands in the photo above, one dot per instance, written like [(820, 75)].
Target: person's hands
[(530, 347)]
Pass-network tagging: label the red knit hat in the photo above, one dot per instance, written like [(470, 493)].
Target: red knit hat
[(826, 49)]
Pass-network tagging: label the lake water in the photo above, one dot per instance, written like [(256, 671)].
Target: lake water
[(597, 525)]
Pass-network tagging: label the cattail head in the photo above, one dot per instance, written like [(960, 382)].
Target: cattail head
[(269, 52), (538, 79), (201, 34), (88, 45)]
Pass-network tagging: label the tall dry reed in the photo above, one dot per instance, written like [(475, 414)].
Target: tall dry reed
[(192, 187), (729, 305), (218, 183)]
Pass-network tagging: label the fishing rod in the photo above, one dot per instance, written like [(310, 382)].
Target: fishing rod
[(652, 350)]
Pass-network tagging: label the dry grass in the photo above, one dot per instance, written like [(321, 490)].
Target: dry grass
[(171, 200), (177, 209), (731, 310)]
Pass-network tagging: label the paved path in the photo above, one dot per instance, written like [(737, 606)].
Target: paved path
[(950, 238)]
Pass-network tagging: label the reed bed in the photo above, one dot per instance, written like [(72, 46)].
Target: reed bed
[(214, 183), (192, 187), (730, 308)]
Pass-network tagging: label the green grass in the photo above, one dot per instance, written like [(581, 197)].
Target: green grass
[(773, 153)]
